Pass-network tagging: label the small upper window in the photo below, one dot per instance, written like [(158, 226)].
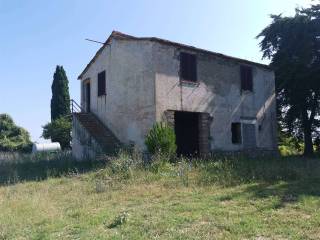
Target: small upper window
[(246, 78), (236, 133), (102, 83), (188, 67)]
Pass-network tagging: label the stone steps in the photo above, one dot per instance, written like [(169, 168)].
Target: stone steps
[(101, 133)]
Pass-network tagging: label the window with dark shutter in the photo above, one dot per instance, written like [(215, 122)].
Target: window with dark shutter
[(246, 78), (188, 67), (236, 132), (102, 83)]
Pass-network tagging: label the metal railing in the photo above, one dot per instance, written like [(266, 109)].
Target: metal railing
[(75, 107)]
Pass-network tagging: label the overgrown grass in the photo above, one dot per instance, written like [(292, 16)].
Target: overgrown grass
[(232, 171), (130, 197), (16, 167)]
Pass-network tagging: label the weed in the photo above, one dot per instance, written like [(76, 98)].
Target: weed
[(119, 220), (184, 168)]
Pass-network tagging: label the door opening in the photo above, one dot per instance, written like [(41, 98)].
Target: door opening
[(88, 97), (186, 126)]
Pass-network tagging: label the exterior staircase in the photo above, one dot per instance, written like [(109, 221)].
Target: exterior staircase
[(104, 137)]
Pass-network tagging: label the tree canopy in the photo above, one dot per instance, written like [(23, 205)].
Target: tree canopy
[(293, 46), (60, 101), (13, 137)]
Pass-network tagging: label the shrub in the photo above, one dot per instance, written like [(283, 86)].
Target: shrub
[(121, 166), (161, 139), (289, 145), (160, 164), (59, 130)]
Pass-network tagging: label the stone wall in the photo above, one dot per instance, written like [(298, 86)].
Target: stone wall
[(84, 147), (217, 93), (128, 108), (142, 83)]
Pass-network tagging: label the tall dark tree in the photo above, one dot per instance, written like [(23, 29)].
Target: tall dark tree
[(293, 46), (60, 101), (59, 129)]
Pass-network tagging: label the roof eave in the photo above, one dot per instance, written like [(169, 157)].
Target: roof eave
[(119, 35)]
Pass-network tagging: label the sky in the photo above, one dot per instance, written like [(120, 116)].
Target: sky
[(37, 35)]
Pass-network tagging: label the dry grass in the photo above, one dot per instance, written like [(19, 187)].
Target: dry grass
[(166, 203)]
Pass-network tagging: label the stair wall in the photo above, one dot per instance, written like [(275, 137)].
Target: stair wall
[(84, 146)]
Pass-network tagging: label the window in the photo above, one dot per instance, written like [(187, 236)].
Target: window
[(246, 78), (188, 67), (102, 83), (236, 133)]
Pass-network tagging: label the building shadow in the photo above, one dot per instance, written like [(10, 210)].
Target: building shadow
[(288, 179)]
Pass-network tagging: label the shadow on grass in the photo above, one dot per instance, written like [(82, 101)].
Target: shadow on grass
[(287, 192), (286, 178), (15, 172)]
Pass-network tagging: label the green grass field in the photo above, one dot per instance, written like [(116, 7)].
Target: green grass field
[(224, 199)]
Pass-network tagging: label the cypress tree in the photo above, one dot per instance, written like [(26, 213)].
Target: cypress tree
[(60, 101)]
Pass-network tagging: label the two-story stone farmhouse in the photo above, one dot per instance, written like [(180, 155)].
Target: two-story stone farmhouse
[(214, 102)]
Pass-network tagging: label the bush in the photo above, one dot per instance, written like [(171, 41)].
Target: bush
[(160, 164), (120, 167), (289, 145), (59, 130), (161, 139)]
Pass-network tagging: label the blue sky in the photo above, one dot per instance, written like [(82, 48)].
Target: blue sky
[(38, 35)]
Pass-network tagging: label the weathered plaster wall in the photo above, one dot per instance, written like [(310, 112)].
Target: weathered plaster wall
[(142, 82), (128, 108), (217, 93), (84, 147)]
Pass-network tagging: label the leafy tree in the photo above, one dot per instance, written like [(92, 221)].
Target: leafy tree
[(293, 46), (12, 137), (161, 138), (58, 131), (60, 101)]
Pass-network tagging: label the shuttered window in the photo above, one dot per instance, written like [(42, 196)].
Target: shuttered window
[(236, 132), (246, 78), (188, 67), (102, 83)]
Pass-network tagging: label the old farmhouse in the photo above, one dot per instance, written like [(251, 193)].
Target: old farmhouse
[(214, 102)]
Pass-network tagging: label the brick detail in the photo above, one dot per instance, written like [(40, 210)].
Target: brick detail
[(169, 117), (204, 129)]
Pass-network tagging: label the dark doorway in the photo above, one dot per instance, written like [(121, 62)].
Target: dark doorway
[(186, 126), (88, 97)]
